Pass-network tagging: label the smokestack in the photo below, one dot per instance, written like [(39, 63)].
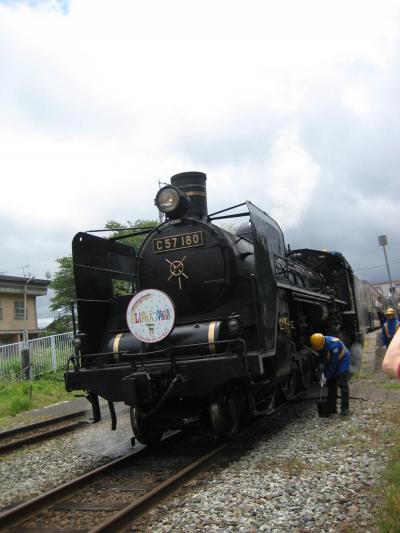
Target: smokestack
[(194, 185)]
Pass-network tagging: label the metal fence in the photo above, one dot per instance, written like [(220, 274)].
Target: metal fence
[(46, 354)]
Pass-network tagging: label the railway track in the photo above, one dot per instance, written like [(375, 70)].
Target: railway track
[(91, 499), (13, 439), (115, 495)]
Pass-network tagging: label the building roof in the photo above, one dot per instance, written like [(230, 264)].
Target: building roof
[(44, 322), (23, 280), (387, 282), (16, 284)]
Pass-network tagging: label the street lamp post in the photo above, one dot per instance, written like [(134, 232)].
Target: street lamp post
[(382, 240)]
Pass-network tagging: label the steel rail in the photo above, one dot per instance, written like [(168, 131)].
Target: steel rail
[(21, 512), (42, 423), (37, 437), (132, 511)]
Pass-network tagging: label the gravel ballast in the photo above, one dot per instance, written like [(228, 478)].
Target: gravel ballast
[(41, 467), (302, 473)]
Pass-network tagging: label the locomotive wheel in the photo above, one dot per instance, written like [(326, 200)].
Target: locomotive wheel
[(225, 414), (144, 430), (270, 404), (289, 387)]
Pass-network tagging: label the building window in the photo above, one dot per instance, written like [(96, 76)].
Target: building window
[(19, 311), (1, 311)]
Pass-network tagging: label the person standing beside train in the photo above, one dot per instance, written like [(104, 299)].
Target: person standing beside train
[(336, 359), (379, 310), (390, 327)]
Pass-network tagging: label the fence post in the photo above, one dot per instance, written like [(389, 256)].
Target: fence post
[(53, 353), (25, 363)]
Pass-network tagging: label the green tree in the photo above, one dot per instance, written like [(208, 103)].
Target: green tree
[(121, 230), (63, 286), (63, 281), (61, 324)]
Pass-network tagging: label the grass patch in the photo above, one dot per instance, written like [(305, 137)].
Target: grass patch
[(391, 415), (292, 466), (388, 489), (392, 386), (390, 511), (268, 463), (319, 468), (362, 374), (336, 441), (17, 396)]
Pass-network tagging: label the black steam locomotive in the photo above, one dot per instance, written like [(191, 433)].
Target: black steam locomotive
[(232, 338)]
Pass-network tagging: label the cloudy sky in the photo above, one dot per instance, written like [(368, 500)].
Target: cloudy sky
[(292, 105)]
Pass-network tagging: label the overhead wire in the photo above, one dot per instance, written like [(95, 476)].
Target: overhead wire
[(376, 266)]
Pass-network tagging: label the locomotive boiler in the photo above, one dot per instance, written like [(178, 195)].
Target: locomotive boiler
[(213, 324)]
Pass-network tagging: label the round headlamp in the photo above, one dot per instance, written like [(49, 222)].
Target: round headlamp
[(168, 199), (171, 201)]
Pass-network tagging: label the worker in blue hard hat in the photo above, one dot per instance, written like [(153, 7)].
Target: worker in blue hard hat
[(390, 327), (336, 359)]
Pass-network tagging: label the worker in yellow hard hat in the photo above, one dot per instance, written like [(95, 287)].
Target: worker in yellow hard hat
[(390, 327), (336, 359)]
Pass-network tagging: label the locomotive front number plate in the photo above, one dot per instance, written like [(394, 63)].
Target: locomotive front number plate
[(177, 242)]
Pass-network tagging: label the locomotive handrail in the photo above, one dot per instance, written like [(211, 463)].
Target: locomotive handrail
[(303, 291), (101, 269), (92, 300), (75, 359), (306, 301), (226, 209), (281, 265), (149, 355), (235, 215), (245, 355), (137, 234), (255, 303), (313, 352), (119, 229)]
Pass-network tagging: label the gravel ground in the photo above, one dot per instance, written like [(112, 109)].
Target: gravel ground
[(303, 474), (36, 469)]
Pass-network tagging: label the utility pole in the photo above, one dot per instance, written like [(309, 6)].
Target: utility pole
[(25, 311), (25, 352)]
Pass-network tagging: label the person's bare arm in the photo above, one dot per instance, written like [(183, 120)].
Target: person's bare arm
[(391, 361)]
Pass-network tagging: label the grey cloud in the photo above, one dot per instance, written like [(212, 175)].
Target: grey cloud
[(246, 137), (359, 160), (36, 92), (24, 244)]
